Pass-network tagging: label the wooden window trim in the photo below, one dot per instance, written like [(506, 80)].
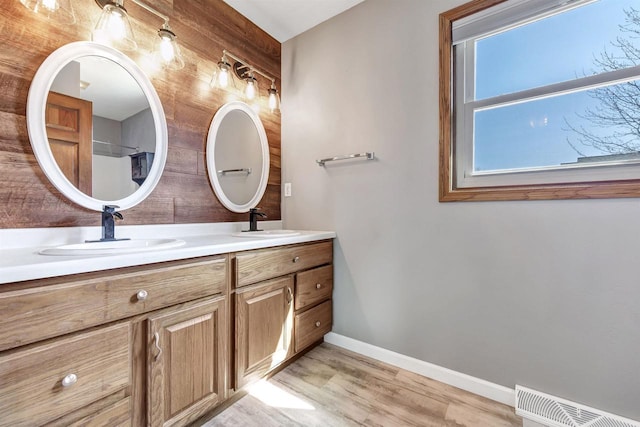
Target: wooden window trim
[(448, 192)]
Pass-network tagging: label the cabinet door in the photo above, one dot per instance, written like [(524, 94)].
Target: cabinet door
[(186, 361), (264, 315)]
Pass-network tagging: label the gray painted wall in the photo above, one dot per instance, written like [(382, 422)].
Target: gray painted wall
[(139, 131), (539, 293)]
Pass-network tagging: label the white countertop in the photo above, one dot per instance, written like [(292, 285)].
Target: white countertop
[(25, 263)]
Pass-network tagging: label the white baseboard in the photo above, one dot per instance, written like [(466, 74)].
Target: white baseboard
[(466, 382)]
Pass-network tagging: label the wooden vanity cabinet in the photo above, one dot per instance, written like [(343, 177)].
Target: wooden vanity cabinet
[(283, 305), (151, 344), (81, 349)]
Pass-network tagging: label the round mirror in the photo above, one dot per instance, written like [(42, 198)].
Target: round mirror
[(238, 157), (97, 126)]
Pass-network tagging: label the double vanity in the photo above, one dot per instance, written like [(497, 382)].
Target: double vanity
[(161, 329), (158, 337)]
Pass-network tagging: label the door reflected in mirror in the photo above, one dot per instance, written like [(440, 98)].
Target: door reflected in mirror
[(97, 116)]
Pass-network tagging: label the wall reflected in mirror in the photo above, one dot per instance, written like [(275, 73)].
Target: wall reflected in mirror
[(97, 117), (238, 155)]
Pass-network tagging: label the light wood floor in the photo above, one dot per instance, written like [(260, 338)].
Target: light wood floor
[(330, 386)]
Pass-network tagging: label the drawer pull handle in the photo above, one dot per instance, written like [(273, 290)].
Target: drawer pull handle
[(318, 324), (289, 295), (142, 295), (296, 259), (318, 285), (69, 380), (156, 342)]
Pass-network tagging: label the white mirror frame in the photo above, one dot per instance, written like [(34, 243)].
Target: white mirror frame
[(211, 161), (36, 108)]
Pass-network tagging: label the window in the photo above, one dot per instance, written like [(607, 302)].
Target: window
[(540, 99)]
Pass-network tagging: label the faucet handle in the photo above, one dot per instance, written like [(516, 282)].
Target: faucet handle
[(110, 208), (257, 211)]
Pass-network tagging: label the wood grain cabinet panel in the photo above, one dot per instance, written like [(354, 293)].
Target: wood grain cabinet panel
[(313, 324), (256, 266), (263, 328), (59, 306), (117, 415), (187, 361), (44, 382), (313, 286)]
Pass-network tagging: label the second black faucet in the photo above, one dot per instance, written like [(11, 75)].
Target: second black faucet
[(254, 213)]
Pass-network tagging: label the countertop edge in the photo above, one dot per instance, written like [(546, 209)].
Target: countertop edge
[(19, 265)]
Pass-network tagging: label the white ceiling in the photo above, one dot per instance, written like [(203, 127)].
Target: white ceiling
[(285, 19)]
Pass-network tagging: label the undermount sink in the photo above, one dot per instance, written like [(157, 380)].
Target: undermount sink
[(113, 247), (265, 234)]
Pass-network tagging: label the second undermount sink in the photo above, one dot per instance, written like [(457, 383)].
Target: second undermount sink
[(113, 247), (265, 234)]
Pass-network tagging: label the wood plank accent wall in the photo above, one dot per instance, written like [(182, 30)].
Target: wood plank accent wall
[(184, 195)]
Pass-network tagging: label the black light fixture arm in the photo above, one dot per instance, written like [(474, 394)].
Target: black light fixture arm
[(103, 3)]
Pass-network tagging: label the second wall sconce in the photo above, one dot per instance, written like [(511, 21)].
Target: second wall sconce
[(226, 76), (56, 10), (114, 29)]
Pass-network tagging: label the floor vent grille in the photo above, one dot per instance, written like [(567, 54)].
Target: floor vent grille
[(556, 412)]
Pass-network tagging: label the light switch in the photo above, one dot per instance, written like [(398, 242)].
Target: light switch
[(287, 189)]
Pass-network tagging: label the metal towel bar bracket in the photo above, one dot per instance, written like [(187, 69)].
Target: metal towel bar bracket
[(368, 156)]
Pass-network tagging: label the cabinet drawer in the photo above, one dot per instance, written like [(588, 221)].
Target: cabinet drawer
[(52, 307), (313, 286), (312, 325), (255, 266), (32, 380), (117, 415)]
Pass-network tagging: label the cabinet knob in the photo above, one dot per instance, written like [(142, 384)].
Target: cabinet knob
[(296, 259), (142, 295), (317, 324), (69, 380), (318, 285)]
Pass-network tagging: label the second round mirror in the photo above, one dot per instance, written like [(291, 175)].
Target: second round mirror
[(238, 157)]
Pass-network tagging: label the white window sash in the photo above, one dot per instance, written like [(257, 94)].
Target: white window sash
[(501, 18), (508, 15)]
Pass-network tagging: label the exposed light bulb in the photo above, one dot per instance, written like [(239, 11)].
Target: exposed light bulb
[(223, 78), (251, 89), (116, 25), (272, 101), (51, 5), (166, 49)]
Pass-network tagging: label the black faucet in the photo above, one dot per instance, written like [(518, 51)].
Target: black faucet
[(254, 213), (108, 222)]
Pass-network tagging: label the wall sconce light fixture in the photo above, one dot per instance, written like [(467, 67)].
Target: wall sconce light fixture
[(274, 97), (56, 10), (114, 29), (224, 77)]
